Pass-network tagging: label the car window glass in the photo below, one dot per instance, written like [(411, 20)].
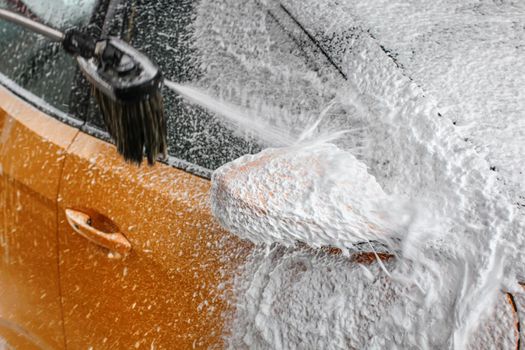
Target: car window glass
[(32, 61), (238, 51)]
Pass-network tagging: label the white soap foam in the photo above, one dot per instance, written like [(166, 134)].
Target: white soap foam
[(443, 290), (301, 299), (317, 194), (447, 275)]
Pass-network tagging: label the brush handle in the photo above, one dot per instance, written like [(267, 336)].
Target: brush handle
[(39, 28)]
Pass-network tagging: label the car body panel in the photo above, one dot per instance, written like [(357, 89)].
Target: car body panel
[(168, 292), (32, 153)]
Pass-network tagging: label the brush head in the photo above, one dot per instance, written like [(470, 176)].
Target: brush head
[(127, 87)]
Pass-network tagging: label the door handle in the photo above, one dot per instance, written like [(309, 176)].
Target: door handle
[(114, 241)]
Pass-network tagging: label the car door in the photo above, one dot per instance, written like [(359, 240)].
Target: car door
[(35, 131)]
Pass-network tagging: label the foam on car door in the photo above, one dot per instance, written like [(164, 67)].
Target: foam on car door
[(32, 153), (168, 292)]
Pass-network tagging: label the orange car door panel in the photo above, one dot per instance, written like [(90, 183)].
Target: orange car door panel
[(165, 291)]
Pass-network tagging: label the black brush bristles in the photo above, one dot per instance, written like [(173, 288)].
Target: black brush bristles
[(137, 127), (127, 87)]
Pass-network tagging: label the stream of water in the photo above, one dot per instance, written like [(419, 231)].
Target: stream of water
[(234, 116)]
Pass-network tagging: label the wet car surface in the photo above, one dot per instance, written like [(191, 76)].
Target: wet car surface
[(173, 289)]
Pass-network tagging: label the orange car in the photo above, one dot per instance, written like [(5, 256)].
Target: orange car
[(96, 253)]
